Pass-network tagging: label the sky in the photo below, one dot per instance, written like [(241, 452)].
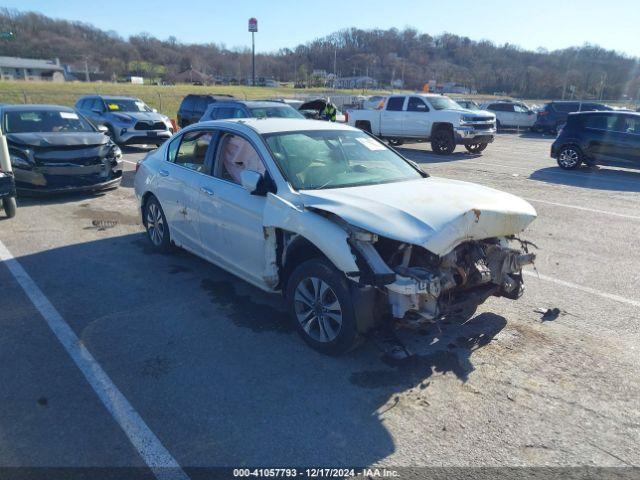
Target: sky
[(287, 23)]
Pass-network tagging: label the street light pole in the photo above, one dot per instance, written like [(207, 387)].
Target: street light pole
[(253, 28)]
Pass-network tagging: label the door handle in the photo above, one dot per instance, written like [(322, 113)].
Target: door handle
[(206, 190), (164, 173)]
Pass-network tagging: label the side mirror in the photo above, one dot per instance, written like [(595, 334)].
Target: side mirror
[(103, 129), (250, 180)]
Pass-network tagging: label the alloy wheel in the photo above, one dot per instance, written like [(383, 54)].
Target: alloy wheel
[(569, 158), (318, 309), (155, 224)]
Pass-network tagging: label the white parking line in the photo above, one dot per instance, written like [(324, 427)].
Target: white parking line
[(154, 454), (129, 161), (586, 209), (591, 291)]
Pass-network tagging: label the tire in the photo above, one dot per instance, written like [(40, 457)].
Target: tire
[(156, 225), (395, 142), (363, 125), (9, 205), (442, 142), (498, 125), (321, 307), (570, 157), (476, 147), (111, 134)]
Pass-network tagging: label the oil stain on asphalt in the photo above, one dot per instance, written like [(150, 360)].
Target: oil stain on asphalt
[(243, 311)]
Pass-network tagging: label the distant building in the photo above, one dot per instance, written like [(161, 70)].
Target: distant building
[(356, 82), (30, 69)]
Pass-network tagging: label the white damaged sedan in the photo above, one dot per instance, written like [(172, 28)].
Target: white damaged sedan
[(350, 232)]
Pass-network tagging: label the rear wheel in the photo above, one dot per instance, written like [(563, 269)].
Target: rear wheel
[(570, 157), (9, 205), (156, 225), (442, 142), (475, 147), (321, 307)]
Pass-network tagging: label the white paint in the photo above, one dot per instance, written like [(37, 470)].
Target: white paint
[(586, 209), (154, 454), (591, 291), (129, 161)]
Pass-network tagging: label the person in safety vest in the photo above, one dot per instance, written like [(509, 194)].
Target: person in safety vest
[(330, 111)]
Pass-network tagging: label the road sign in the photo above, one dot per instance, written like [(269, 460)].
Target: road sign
[(253, 25)]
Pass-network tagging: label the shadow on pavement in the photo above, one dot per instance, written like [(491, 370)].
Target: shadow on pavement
[(216, 370), (598, 179), (422, 156)]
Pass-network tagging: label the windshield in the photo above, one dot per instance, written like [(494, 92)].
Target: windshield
[(275, 112), (442, 103), (339, 158), (127, 105), (43, 121)]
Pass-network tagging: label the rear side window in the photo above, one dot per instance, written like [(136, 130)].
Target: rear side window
[(501, 107), (567, 107), (192, 150), (600, 122), (201, 104), (394, 104), (187, 103), (97, 104)]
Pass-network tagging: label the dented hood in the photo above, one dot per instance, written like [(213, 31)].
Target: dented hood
[(435, 213), (57, 139)]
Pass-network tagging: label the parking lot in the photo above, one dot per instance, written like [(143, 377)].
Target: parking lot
[(205, 370)]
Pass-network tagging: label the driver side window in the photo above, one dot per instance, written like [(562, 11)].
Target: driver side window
[(235, 154), (416, 105)]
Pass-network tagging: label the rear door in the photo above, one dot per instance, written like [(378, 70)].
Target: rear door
[(392, 117), (602, 138), (627, 131), (417, 118), (188, 158)]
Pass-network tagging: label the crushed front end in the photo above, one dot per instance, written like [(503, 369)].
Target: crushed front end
[(421, 286)]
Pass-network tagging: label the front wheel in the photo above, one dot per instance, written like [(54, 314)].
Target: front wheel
[(156, 224), (476, 147), (395, 142), (9, 205), (443, 143), (570, 157), (321, 307)]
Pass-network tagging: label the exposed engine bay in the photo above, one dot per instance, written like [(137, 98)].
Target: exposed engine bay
[(422, 284)]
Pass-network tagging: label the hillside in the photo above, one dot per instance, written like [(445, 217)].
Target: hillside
[(383, 54)]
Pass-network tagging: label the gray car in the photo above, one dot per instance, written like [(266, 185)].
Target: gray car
[(128, 119)]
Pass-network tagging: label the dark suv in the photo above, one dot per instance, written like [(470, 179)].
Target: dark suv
[(193, 106), (249, 108), (598, 137), (554, 114)]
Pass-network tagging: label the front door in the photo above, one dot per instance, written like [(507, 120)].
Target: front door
[(230, 218), (417, 118)]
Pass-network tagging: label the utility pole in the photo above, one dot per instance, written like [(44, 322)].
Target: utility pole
[(253, 28), (86, 70), (335, 62)]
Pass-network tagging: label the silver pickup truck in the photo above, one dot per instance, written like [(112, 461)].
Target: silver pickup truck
[(427, 118)]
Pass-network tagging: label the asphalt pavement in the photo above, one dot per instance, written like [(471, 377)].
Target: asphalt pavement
[(195, 366)]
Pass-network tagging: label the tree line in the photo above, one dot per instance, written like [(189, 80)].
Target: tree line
[(407, 55)]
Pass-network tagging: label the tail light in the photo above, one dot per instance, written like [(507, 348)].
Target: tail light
[(346, 117), (174, 126), (542, 113), (138, 163)]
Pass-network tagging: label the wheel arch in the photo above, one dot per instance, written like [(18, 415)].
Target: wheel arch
[(438, 126)]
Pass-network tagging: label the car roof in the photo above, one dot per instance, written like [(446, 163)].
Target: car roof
[(118, 97), (251, 103), (275, 125), (607, 112), (35, 106)]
